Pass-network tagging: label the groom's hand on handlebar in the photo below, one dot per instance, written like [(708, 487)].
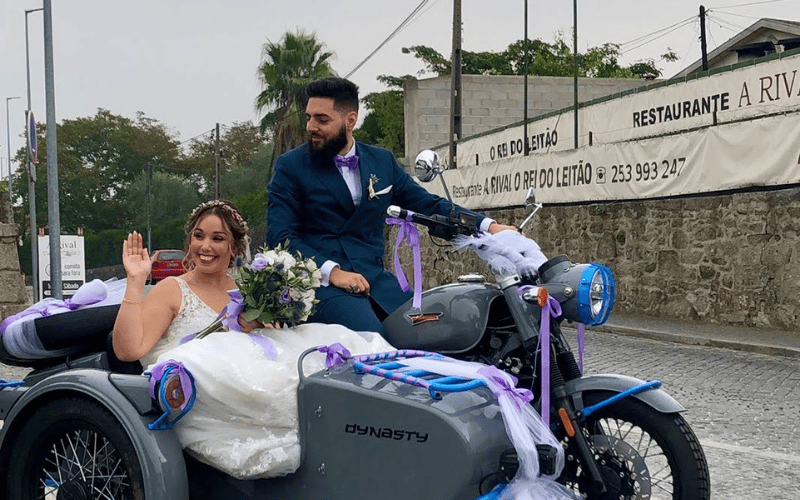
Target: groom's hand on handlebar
[(494, 228), (349, 282)]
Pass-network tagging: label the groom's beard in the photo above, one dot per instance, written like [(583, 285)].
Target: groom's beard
[(328, 149)]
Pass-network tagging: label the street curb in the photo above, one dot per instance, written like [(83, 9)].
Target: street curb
[(768, 349)]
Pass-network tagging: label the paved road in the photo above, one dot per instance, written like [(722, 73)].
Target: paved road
[(744, 407)]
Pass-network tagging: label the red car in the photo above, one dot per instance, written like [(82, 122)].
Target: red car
[(166, 263)]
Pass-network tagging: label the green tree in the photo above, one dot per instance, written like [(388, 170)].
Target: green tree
[(383, 125), (172, 197), (239, 143), (544, 59), (99, 157), (287, 67)]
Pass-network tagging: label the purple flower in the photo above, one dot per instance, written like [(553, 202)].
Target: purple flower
[(259, 264), (285, 297)]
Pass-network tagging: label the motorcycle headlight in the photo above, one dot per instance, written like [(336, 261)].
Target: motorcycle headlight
[(585, 291)]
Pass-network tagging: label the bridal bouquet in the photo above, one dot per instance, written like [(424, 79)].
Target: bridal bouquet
[(276, 287)]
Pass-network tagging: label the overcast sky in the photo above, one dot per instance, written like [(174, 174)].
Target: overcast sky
[(192, 63)]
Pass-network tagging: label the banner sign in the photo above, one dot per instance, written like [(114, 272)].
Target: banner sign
[(767, 88), (760, 152), (73, 265)]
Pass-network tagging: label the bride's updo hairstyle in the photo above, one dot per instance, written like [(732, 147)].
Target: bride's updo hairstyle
[(231, 218)]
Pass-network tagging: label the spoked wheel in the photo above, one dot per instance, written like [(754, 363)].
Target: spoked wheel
[(641, 454), (74, 450)]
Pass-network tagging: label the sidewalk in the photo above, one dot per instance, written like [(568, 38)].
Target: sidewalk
[(759, 340)]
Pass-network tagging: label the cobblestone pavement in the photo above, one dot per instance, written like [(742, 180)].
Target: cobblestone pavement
[(744, 408)]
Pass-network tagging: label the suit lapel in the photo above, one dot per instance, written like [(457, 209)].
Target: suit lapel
[(332, 179)]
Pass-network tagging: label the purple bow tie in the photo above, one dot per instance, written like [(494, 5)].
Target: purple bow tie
[(350, 162)]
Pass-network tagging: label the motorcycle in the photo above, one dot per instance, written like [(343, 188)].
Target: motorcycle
[(623, 437), (81, 424), (84, 425)]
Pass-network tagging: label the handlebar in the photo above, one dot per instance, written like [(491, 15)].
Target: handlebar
[(441, 226)]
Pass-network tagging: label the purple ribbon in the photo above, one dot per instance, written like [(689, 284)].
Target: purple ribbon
[(552, 308), (89, 293), (230, 314), (408, 230), (270, 352), (335, 354), (175, 368), (581, 344), (502, 386), (350, 162)]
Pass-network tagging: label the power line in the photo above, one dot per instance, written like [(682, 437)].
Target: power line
[(688, 21), (636, 40), (725, 24), (402, 25), (747, 4)]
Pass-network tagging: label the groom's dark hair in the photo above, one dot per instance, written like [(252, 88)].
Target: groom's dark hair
[(343, 92)]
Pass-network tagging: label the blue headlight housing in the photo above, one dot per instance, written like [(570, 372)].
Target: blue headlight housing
[(595, 294), (586, 291)]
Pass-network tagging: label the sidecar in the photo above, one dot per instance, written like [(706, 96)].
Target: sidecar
[(77, 427)]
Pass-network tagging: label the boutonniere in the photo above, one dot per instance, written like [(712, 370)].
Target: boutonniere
[(373, 179)]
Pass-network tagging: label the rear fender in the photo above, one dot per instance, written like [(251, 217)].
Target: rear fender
[(127, 398), (658, 399)]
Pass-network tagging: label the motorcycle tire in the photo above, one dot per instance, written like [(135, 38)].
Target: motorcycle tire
[(641, 453), (74, 449)]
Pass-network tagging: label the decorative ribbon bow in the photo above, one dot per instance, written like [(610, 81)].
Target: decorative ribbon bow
[(336, 354), (89, 293), (408, 230), (350, 162), (173, 368), (502, 383)]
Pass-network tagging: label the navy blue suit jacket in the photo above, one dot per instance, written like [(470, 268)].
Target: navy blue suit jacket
[(311, 207)]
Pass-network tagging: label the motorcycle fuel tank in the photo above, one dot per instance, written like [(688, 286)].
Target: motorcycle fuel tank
[(452, 320)]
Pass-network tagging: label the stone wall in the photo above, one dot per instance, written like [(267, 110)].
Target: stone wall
[(13, 294), (729, 259), (492, 102)]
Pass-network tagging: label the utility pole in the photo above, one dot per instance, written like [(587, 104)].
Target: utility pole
[(149, 183), (703, 37), (31, 142), (217, 164), (575, 58), (525, 86), (53, 209), (455, 86)]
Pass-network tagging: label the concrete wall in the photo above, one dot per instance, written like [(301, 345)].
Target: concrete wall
[(727, 259), (491, 102), (13, 294)]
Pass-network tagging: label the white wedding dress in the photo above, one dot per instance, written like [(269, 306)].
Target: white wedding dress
[(244, 420)]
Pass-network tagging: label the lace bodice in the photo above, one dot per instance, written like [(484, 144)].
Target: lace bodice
[(193, 316)]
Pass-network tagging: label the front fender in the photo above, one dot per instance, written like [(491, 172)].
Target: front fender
[(658, 399), (159, 452)]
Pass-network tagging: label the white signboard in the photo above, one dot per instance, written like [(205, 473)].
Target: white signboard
[(768, 88), (760, 152), (73, 264)]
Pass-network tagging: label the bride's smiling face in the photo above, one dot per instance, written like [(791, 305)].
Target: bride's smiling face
[(210, 245)]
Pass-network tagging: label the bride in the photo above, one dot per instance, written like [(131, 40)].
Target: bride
[(244, 420)]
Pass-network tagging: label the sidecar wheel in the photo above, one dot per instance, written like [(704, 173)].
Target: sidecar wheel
[(642, 454), (74, 449)]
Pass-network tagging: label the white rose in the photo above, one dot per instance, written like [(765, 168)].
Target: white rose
[(286, 259), (271, 257)]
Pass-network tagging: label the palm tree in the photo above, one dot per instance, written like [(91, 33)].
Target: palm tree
[(287, 66)]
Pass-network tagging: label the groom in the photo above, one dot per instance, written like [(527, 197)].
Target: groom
[(328, 199)]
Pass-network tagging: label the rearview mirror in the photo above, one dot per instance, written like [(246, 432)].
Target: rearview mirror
[(427, 165)]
